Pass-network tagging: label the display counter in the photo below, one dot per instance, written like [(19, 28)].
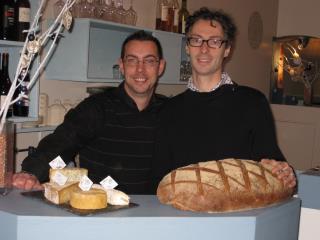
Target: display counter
[(309, 192), (25, 218)]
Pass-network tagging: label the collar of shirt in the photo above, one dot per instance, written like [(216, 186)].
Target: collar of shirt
[(225, 79), (155, 102)]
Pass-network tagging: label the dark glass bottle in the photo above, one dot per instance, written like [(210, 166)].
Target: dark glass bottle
[(22, 20), (21, 107), (7, 14), (5, 82), (183, 14)]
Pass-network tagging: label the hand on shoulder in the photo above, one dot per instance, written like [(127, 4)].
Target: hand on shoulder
[(283, 171), (26, 181)]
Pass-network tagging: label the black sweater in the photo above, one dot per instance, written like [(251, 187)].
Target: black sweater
[(230, 122), (111, 136)]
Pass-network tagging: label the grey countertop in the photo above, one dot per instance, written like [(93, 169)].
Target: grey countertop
[(26, 218)]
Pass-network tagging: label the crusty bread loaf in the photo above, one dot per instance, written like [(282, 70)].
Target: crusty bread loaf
[(92, 199), (222, 186)]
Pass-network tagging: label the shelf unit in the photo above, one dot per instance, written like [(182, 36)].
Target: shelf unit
[(14, 48), (90, 51)]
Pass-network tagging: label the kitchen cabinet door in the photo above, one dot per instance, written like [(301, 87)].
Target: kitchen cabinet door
[(89, 53)]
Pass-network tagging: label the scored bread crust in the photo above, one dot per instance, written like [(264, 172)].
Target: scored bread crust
[(222, 186)]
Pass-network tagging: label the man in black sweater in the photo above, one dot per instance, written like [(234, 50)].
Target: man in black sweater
[(215, 118), (114, 131)]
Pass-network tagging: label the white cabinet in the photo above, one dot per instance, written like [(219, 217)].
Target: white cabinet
[(298, 133), (90, 51)]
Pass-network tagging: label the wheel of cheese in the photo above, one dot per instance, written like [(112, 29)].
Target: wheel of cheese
[(92, 199)]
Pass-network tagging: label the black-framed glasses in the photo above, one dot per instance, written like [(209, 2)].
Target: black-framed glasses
[(211, 42), (147, 61)]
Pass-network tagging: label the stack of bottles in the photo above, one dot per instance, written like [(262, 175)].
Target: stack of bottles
[(21, 107), (171, 18), (15, 19)]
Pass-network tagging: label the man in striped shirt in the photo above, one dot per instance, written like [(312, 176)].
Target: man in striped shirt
[(113, 132)]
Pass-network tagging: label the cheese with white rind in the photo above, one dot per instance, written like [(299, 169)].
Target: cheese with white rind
[(57, 194), (114, 197), (73, 174), (92, 199)]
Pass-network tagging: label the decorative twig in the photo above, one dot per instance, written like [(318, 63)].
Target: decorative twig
[(34, 42)]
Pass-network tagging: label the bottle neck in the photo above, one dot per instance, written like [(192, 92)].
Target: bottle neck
[(184, 4), (5, 60)]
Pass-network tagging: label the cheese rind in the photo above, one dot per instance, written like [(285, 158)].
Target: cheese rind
[(92, 199), (73, 174), (59, 194)]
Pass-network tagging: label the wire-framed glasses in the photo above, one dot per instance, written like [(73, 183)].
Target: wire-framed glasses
[(147, 61)]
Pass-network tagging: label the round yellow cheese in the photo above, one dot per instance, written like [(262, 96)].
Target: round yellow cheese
[(92, 199)]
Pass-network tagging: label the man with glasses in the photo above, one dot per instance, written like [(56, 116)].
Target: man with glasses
[(113, 132), (215, 118)]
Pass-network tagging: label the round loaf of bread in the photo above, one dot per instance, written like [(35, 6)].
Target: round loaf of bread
[(92, 199), (222, 186)]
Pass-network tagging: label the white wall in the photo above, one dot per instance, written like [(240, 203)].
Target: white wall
[(298, 17)]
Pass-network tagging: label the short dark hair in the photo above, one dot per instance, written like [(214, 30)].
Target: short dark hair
[(142, 35), (227, 23)]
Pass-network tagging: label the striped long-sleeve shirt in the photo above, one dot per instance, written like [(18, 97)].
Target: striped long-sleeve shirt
[(111, 136)]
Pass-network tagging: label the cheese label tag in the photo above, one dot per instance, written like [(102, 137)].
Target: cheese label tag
[(57, 163), (59, 178), (108, 183), (85, 183)]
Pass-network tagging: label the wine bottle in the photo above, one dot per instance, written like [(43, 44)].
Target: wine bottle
[(173, 16), (7, 14), (5, 82), (183, 14), (22, 19), (21, 107), (162, 15)]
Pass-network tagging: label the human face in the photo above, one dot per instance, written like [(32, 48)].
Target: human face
[(141, 78), (206, 61)]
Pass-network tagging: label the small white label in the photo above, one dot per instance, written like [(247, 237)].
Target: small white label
[(24, 15), (108, 183), (85, 183), (164, 13), (176, 17), (57, 163), (59, 178)]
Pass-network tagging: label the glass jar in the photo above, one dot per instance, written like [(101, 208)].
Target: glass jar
[(6, 157)]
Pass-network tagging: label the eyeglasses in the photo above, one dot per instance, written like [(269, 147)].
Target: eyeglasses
[(212, 42), (134, 61)]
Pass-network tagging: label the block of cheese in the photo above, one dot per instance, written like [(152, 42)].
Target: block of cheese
[(59, 194), (92, 199), (222, 186), (73, 174)]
